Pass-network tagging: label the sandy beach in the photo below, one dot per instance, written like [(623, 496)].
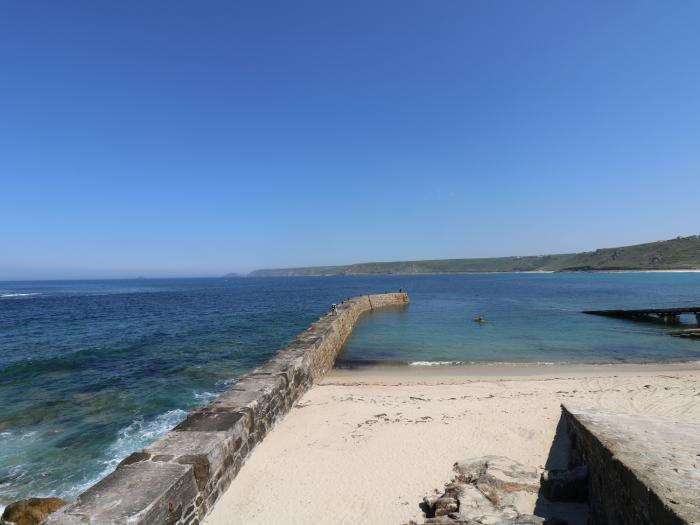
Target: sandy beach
[(366, 445)]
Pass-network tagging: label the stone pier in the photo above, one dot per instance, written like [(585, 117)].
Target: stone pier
[(177, 479), (671, 318), (642, 469), (664, 315)]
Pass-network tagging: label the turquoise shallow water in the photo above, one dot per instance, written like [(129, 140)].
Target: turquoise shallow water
[(93, 370), (530, 318)]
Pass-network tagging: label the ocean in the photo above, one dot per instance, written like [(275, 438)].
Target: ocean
[(91, 371)]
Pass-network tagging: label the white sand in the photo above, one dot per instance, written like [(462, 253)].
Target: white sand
[(366, 446)]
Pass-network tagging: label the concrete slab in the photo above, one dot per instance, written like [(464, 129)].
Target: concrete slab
[(213, 419), (142, 493), (650, 464)]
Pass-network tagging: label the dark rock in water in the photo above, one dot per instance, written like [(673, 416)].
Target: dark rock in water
[(30, 511)]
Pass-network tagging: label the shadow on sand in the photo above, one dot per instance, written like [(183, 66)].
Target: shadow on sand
[(560, 459)]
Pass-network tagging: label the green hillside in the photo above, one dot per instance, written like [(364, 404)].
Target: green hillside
[(682, 253)]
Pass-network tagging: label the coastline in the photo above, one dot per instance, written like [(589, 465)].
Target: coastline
[(398, 274), (357, 376), (181, 475), (458, 372), (365, 445)]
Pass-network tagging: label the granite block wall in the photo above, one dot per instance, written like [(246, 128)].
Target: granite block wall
[(177, 479)]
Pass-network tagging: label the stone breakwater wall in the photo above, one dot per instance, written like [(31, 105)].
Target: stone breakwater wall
[(177, 479), (642, 469)]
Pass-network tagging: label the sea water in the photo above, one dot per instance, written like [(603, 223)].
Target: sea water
[(91, 371), (530, 318)]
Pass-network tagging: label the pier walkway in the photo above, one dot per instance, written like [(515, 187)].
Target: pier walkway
[(665, 315)]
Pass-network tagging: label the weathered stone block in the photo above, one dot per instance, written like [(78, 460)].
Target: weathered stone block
[(239, 399), (642, 468), (215, 419), (205, 451), (280, 366), (136, 457), (252, 390), (30, 511), (144, 493)]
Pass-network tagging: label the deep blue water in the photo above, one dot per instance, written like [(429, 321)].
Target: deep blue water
[(93, 370)]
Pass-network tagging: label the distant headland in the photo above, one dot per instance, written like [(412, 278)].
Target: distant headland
[(681, 253)]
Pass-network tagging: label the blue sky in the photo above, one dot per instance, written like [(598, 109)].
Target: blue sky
[(196, 138)]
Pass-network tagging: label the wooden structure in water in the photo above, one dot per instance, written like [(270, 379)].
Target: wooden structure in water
[(664, 315)]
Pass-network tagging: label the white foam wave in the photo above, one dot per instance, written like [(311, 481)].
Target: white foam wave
[(11, 295), (227, 383), (141, 433), (204, 398), (484, 363), (133, 437), (435, 363)]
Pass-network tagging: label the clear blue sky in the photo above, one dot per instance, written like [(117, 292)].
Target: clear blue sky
[(196, 138)]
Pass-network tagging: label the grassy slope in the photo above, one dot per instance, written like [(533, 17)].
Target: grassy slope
[(681, 253)]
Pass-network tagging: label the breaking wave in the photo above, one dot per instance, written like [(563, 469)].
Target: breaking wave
[(486, 363), (137, 435), (436, 363)]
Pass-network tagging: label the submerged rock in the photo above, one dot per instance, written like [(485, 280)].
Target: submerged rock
[(30, 511)]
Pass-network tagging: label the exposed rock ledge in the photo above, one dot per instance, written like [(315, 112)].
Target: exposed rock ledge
[(495, 490), (30, 511)]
